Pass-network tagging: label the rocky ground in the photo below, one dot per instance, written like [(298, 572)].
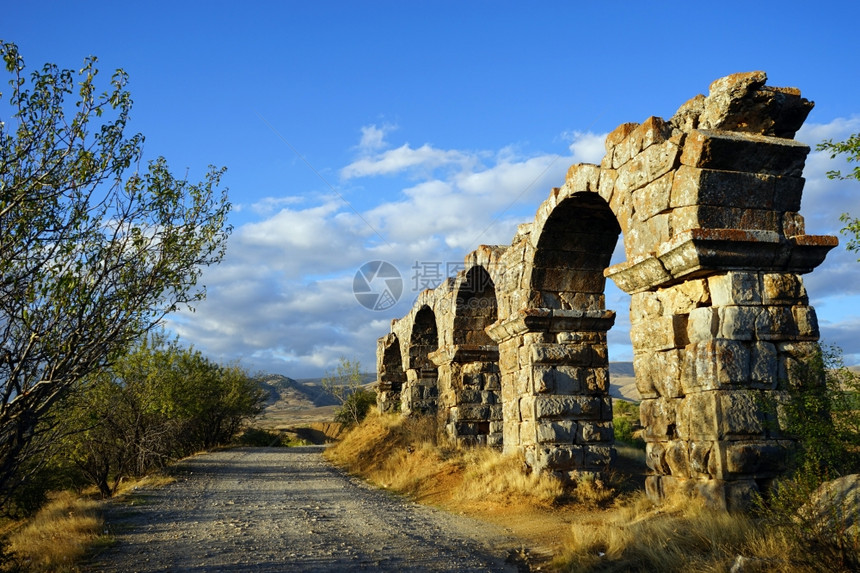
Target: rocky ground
[(287, 509)]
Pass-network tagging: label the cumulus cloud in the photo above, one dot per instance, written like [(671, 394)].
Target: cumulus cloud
[(373, 137), (586, 147), (401, 159)]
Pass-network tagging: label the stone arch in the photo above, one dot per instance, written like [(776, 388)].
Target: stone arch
[(391, 377), (574, 247), (708, 204), (469, 380), (420, 392), (475, 308), (553, 351)]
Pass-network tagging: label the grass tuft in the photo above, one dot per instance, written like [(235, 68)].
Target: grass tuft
[(59, 535)]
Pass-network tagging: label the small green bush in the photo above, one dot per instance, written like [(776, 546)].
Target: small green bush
[(625, 420), (355, 407), (257, 438)]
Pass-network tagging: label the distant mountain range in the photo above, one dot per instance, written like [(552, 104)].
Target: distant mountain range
[(309, 393)]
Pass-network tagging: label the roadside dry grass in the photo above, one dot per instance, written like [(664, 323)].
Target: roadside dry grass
[(58, 536), (593, 526), (66, 529), (681, 535)]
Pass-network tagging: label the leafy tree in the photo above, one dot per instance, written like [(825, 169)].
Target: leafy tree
[(94, 248), (851, 149), (156, 404), (346, 385)]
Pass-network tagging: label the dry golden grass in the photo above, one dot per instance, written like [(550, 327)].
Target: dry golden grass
[(683, 534), (58, 536), (402, 454), (587, 526), (489, 474)]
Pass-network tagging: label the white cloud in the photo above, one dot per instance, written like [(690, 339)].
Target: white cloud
[(373, 137), (403, 158), (587, 147), (270, 204)]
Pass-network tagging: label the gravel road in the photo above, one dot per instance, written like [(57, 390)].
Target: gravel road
[(287, 509)]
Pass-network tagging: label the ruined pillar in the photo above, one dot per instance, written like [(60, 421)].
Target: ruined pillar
[(555, 382), (469, 394)]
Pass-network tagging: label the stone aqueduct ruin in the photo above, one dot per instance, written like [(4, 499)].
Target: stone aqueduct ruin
[(512, 351)]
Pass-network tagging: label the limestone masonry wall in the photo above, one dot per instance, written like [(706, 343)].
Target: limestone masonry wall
[(512, 351)]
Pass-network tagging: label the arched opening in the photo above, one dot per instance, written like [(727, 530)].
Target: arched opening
[(421, 377), (474, 403), (574, 249), (424, 340), (476, 308), (564, 405), (392, 377)]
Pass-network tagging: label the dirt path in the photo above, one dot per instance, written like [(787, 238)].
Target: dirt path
[(287, 509)]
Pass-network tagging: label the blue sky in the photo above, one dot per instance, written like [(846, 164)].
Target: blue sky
[(414, 131)]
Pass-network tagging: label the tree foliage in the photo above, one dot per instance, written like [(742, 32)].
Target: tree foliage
[(822, 411), (346, 385), (94, 247), (850, 148), (158, 403)]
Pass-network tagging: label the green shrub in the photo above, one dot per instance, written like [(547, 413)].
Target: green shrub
[(355, 407), (821, 413), (625, 420), (257, 438)]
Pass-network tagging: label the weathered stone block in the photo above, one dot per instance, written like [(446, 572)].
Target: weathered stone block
[(703, 324), (577, 407), (702, 459), (806, 321), (635, 277), (715, 364), (571, 354), (558, 457), (710, 217), (645, 306), (692, 186), (557, 379), (653, 198), (793, 225), (764, 365), (606, 188), (594, 380), (588, 432), (619, 134), (741, 414), (703, 416), (598, 457), (644, 375), (658, 417), (735, 151), (738, 322), (760, 459), (647, 166), (776, 323), (583, 177), (787, 193), (655, 457), (684, 297), (551, 431), (678, 458), (783, 288), (663, 333), (735, 288)]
